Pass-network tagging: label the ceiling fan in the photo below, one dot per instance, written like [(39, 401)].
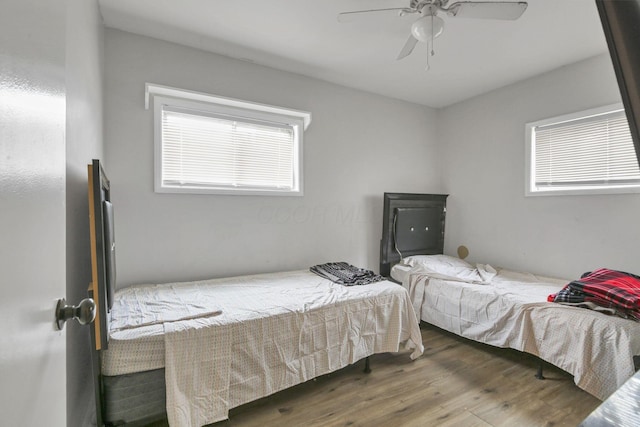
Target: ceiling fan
[(429, 25)]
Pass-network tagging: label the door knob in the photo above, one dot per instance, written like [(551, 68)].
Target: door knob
[(84, 313)]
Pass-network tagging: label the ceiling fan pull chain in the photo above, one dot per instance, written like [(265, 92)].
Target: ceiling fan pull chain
[(428, 65), (430, 46), (433, 38)]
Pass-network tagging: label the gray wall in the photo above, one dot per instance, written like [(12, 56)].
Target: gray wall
[(483, 148), (381, 145), (357, 147), (84, 141)]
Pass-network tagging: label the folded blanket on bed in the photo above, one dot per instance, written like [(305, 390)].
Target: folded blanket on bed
[(345, 274), (148, 305), (170, 319), (612, 289)]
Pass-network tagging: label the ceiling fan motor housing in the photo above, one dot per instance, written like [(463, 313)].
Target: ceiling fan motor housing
[(420, 4)]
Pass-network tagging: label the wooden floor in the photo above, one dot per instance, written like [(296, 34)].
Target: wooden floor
[(455, 383)]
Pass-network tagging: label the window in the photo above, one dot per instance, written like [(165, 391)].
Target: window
[(209, 144), (587, 152)]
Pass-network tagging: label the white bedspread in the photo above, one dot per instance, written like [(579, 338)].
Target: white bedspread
[(245, 338), (511, 311)]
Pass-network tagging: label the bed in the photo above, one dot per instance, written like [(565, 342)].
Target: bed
[(191, 351), (504, 308)]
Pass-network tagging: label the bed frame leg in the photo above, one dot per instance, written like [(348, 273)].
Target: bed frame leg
[(539, 373), (367, 366)]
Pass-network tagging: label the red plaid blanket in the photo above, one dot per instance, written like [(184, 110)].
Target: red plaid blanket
[(606, 288)]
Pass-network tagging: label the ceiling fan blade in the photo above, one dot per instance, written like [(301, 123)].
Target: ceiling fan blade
[(351, 16), (487, 9), (408, 47)]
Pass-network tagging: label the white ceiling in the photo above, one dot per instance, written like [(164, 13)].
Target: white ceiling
[(302, 36)]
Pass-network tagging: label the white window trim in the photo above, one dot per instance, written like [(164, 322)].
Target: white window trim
[(164, 95), (152, 89), (530, 170)]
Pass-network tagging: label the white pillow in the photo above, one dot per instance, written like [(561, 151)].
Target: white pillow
[(450, 268), (435, 262)]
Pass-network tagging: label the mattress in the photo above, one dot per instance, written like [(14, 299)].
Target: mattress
[(511, 310), (269, 332)]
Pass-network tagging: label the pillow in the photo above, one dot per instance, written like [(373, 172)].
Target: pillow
[(435, 262), (450, 268)]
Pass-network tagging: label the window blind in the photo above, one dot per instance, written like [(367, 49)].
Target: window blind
[(205, 150), (586, 152)]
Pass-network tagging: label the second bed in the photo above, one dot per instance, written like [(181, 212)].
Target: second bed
[(510, 309), (501, 307)]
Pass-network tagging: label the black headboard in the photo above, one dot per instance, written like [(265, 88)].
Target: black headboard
[(413, 224), (102, 250), (103, 268)]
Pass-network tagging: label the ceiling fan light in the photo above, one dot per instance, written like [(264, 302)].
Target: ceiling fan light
[(427, 28)]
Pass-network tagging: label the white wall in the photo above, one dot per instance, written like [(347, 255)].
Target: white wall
[(482, 143), (84, 141), (357, 147)]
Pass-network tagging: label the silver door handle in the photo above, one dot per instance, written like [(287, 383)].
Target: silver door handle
[(84, 313)]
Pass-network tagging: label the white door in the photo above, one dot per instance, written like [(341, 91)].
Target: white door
[(32, 212)]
